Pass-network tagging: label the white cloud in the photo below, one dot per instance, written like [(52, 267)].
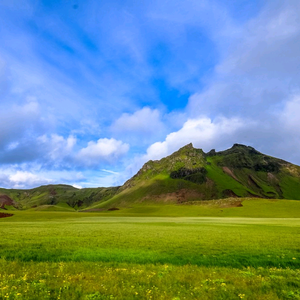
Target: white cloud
[(145, 120), (57, 147), (55, 152), (203, 133), (27, 176), (142, 126), (22, 179), (104, 150)]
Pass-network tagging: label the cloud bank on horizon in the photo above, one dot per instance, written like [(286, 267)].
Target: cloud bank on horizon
[(91, 90)]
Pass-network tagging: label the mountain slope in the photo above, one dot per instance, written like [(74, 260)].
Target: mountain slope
[(189, 174)]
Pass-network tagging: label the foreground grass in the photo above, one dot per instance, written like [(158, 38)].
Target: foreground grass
[(86, 280), (69, 255)]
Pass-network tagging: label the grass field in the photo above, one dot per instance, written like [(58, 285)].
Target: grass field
[(126, 255)]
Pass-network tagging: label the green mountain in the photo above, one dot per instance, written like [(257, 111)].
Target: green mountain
[(187, 175)]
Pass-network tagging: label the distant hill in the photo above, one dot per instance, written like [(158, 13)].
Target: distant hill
[(61, 197), (187, 175)]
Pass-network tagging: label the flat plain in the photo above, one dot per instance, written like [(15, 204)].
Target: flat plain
[(153, 252)]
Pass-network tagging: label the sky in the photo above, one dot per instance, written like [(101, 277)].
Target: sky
[(90, 90)]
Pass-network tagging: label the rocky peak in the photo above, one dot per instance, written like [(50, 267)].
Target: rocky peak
[(187, 147)]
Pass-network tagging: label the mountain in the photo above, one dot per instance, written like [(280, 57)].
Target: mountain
[(188, 174)]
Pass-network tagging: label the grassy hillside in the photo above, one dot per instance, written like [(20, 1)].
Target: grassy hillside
[(187, 175), (190, 175), (57, 197)]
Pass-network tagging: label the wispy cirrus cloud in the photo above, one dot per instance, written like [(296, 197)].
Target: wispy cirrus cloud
[(261, 69)]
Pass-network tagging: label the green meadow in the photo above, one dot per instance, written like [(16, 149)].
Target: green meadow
[(153, 252)]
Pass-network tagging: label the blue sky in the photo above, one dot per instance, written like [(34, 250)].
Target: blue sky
[(91, 90)]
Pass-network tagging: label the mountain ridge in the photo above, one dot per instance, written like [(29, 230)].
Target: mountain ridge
[(189, 174)]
